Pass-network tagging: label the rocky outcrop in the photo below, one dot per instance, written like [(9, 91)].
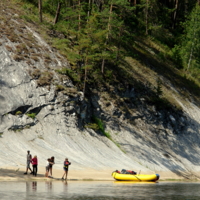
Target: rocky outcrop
[(35, 116)]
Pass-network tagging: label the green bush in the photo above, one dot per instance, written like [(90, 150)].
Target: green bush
[(92, 126), (176, 57), (68, 72), (31, 115), (101, 127), (18, 113), (60, 87), (159, 91)]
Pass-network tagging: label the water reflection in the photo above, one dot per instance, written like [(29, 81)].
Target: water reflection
[(34, 186), (28, 187), (77, 190), (31, 186), (48, 185), (133, 182)]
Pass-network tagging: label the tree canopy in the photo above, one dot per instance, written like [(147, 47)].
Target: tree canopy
[(100, 33)]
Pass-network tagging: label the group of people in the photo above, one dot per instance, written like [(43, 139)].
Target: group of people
[(49, 165), (33, 161)]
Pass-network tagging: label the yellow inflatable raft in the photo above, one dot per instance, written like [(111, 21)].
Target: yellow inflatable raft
[(135, 177)]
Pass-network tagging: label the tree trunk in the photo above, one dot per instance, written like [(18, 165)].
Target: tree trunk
[(89, 4), (79, 16), (85, 79), (102, 66), (107, 36), (57, 13), (40, 9), (175, 14), (186, 6), (193, 42), (190, 58), (132, 2), (119, 44), (146, 16), (109, 19), (135, 4)]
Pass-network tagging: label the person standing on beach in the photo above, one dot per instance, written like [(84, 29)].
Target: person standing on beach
[(51, 163), (65, 168), (28, 161), (47, 167), (34, 162)]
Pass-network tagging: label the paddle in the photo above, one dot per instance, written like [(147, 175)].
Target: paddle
[(136, 176)]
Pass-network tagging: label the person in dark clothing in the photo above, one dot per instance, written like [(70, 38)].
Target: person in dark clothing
[(65, 168), (51, 163)]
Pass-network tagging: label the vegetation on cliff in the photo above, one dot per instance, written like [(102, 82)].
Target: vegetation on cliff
[(128, 51), (97, 37)]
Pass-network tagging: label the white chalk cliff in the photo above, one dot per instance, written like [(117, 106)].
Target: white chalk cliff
[(156, 142)]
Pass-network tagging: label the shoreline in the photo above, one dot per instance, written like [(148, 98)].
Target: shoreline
[(17, 174)]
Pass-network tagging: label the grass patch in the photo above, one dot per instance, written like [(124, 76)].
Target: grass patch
[(45, 78), (41, 137), (100, 125), (18, 113), (36, 73), (17, 130), (93, 126), (31, 115), (18, 58), (68, 72), (9, 48), (21, 49), (60, 87)]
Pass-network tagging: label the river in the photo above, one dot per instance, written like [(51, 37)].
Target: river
[(99, 190)]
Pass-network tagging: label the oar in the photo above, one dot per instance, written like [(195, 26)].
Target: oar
[(136, 176)]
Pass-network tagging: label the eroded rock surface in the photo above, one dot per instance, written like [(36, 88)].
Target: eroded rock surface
[(35, 116)]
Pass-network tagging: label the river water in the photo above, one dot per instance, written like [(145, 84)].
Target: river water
[(99, 190)]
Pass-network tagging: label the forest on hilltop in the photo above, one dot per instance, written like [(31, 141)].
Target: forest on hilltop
[(97, 35)]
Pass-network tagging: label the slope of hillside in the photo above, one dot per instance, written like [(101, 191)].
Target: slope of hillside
[(35, 115)]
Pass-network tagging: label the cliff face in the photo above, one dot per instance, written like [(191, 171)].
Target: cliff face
[(35, 116)]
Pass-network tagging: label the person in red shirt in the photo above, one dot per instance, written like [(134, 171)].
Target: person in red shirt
[(34, 162), (65, 167)]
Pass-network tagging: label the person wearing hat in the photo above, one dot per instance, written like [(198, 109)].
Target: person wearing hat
[(65, 168), (28, 161)]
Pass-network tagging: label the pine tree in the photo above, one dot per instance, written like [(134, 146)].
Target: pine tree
[(190, 48)]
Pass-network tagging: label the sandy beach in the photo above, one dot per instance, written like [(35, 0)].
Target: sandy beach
[(17, 174)]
